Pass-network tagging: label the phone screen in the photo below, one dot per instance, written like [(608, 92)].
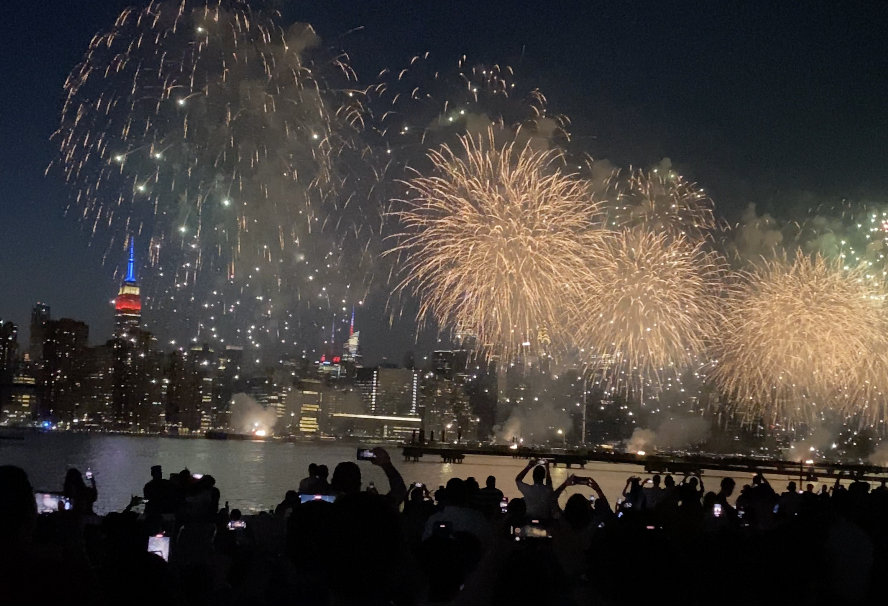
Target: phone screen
[(160, 545), (305, 498), (504, 505), (235, 524), (717, 509), (48, 502), (366, 454)]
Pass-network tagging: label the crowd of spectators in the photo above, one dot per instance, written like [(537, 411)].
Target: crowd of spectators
[(335, 542)]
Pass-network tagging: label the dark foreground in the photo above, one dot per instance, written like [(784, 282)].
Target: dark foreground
[(672, 542)]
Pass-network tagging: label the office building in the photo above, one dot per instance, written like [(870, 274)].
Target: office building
[(40, 315)]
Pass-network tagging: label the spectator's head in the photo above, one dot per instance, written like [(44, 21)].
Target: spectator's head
[(291, 497), (655, 480), (308, 533), (727, 486), (185, 477), (73, 483), (692, 482), (491, 482), (235, 515), (18, 508), (472, 484), (791, 487), (312, 470), (346, 478), (457, 493), (708, 501), (156, 472), (756, 480), (539, 474), (444, 564), (323, 472), (578, 511), (364, 549), (810, 487), (516, 512), (669, 481)]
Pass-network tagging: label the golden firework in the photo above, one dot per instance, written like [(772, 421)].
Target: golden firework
[(650, 304), (663, 201), (803, 336), (496, 240)]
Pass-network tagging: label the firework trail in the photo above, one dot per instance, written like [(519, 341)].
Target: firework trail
[(202, 127), (495, 241), (650, 304), (663, 201), (803, 336)]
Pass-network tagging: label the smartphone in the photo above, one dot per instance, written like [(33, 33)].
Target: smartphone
[(418, 485), (197, 476), (236, 524), (444, 529), (504, 505), (305, 498), (366, 454), (717, 510), (160, 545), (88, 475), (532, 531), (48, 502), (776, 508)]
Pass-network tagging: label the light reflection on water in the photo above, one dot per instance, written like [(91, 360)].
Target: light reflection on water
[(255, 475)]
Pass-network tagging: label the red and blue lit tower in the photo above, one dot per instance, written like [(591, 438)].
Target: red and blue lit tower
[(128, 305)]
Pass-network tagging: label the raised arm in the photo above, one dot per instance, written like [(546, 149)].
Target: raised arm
[(519, 479), (569, 481), (600, 493), (548, 475), (397, 489)]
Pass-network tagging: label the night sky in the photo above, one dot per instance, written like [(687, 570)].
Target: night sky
[(780, 104)]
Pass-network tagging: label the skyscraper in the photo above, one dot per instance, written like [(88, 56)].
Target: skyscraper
[(8, 354), (128, 304), (39, 317), (63, 376)]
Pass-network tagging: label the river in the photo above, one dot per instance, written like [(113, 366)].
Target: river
[(255, 475)]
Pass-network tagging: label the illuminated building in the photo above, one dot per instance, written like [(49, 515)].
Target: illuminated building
[(39, 317), (391, 402), (22, 402), (63, 376), (8, 349), (8, 346), (128, 304), (136, 380)]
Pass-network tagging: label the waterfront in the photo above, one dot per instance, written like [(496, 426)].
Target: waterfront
[(255, 475)]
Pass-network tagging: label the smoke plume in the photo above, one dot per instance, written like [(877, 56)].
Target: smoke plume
[(248, 416), (672, 434)]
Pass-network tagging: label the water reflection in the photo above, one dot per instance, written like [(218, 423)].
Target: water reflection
[(255, 475)]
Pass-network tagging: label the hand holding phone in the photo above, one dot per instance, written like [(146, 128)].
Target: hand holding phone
[(160, 545), (366, 454)]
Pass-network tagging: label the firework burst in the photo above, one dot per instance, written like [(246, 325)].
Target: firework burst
[(803, 336), (201, 126), (650, 304), (496, 241), (663, 201)]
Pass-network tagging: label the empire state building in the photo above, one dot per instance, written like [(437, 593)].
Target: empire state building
[(128, 305)]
